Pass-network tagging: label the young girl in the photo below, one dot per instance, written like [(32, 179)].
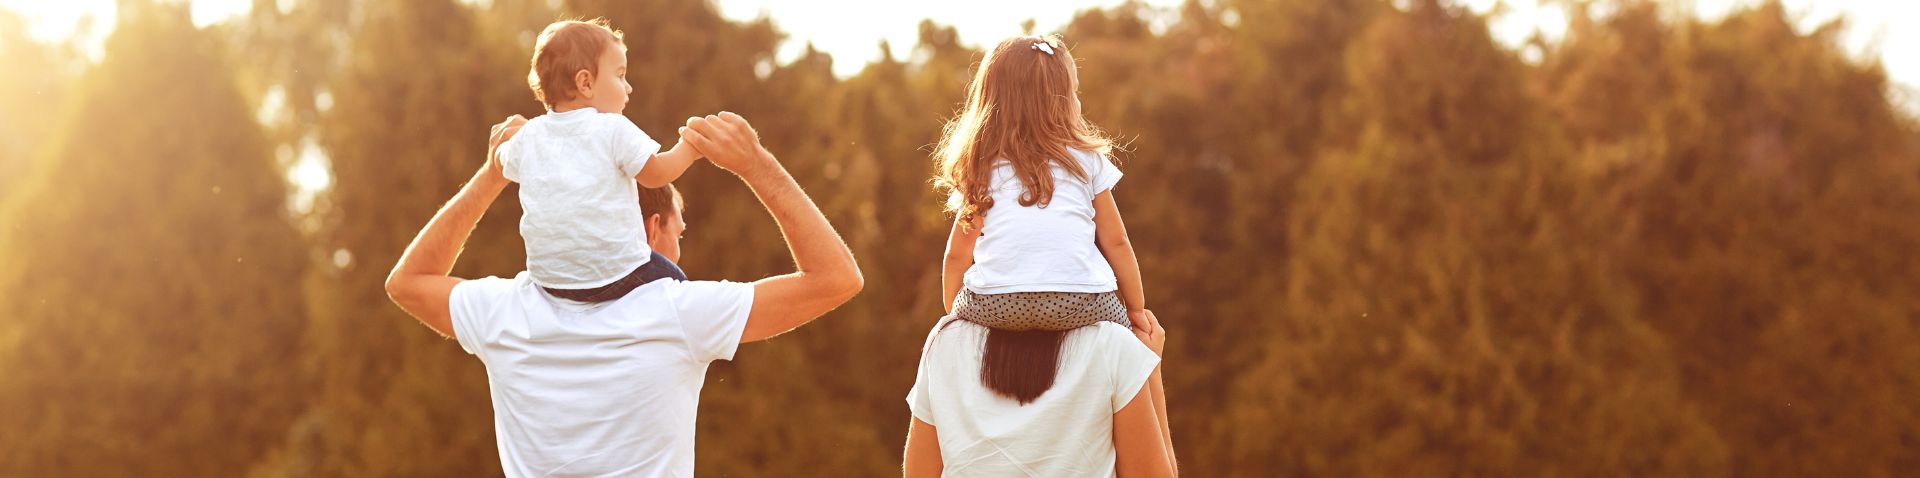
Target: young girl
[(1037, 241)]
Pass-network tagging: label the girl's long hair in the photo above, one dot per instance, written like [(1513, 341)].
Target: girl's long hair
[(1020, 108)]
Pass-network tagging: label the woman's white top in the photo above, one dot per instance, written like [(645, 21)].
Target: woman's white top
[(1067, 431)]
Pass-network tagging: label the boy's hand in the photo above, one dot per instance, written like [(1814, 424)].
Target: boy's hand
[(1147, 328), (501, 133), (680, 141)]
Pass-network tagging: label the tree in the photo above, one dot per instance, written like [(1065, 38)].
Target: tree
[(1756, 171), (408, 125), (149, 269), (33, 96)]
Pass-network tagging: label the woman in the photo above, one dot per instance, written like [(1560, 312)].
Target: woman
[(1082, 402)]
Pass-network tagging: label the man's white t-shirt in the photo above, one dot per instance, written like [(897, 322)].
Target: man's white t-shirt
[(1067, 431), (606, 389), (582, 222), (1044, 249)]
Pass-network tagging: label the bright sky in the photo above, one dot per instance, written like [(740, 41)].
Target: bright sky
[(1889, 29), (823, 22)]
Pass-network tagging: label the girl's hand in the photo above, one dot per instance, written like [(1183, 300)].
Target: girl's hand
[(1147, 328)]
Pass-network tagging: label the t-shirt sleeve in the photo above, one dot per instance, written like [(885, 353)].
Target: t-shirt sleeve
[(631, 146), (1132, 365), (471, 306), (510, 159), (712, 316), (1102, 171), (919, 402)]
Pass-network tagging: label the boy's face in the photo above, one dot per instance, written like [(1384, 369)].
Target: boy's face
[(610, 88)]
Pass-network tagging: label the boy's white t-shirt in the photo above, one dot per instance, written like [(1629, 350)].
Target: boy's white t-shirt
[(1067, 431), (582, 224), (604, 389), (1044, 249)]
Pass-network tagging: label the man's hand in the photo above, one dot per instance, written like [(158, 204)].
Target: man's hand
[(826, 274), (501, 133), (1147, 328), (728, 141)]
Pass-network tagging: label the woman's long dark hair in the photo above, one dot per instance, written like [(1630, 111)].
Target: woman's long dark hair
[(1020, 364)]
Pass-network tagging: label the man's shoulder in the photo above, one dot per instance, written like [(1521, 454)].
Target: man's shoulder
[(705, 289)]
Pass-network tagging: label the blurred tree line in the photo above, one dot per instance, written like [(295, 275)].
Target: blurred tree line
[(1385, 245)]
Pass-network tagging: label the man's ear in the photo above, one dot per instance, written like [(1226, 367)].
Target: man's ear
[(655, 226), (583, 83)]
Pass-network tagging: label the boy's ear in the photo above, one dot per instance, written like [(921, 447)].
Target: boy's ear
[(583, 83)]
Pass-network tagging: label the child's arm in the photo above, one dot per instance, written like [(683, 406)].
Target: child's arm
[(1110, 233), (959, 258), (667, 166)]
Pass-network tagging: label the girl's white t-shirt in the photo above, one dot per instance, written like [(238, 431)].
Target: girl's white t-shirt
[(1067, 431), (1044, 249), (582, 223)]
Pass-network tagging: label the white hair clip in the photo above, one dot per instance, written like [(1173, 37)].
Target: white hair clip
[(1044, 47)]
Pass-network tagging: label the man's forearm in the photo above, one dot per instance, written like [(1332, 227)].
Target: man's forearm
[(419, 283), (816, 248), (438, 245)]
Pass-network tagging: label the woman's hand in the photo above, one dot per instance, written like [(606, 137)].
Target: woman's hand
[(1147, 328)]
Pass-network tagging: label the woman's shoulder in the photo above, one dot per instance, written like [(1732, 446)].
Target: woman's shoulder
[(946, 332), (1113, 331)]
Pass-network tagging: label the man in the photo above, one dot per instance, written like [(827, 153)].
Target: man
[(611, 389), (665, 224)]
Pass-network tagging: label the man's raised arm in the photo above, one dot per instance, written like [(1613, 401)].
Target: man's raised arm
[(420, 283), (826, 274)]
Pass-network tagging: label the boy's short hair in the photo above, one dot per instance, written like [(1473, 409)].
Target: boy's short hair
[(565, 48)]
